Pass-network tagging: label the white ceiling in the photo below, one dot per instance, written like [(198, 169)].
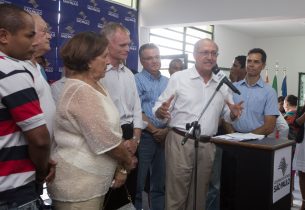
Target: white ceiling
[(268, 28), (259, 18)]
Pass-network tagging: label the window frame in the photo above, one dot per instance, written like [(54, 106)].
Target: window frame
[(184, 53), (134, 4)]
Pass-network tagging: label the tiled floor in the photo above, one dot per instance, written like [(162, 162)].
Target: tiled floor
[(296, 193), (297, 201)]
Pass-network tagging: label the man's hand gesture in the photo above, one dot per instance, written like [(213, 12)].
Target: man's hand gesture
[(162, 112), (236, 109)]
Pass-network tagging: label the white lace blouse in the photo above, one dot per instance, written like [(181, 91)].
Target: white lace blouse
[(86, 126)]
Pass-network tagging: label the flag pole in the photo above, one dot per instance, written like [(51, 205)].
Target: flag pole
[(274, 82), (284, 83)]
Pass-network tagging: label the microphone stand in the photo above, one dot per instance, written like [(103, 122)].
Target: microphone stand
[(194, 130)]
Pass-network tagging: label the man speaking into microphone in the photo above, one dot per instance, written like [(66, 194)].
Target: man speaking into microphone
[(182, 102)]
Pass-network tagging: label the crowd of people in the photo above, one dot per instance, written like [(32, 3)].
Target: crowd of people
[(101, 136)]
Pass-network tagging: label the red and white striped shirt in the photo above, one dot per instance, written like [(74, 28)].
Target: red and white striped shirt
[(19, 111)]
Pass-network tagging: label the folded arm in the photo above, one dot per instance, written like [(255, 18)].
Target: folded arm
[(267, 127)]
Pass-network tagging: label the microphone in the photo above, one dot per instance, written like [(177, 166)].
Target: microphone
[(223, 78)]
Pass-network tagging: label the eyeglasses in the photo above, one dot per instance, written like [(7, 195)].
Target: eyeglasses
[(46, 30), (208, 53), (151, 58)]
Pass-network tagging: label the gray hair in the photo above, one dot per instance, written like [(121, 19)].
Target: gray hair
[(110, 28), (147, 46), (198, 43)]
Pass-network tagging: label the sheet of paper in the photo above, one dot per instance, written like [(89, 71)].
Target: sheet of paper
[(240, 136)]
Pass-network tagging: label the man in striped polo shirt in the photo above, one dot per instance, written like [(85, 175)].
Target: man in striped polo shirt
[(24, 139)]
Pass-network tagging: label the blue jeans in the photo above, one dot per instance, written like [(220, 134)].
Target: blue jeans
[(213, 196), (152, 158)]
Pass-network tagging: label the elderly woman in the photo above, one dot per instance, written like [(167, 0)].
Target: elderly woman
[(89, 151)]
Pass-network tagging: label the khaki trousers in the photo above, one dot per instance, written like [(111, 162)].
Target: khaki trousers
[(92, 204), (179, 177)]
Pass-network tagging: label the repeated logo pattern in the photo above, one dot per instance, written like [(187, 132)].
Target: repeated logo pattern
[(77, 16), (94, 6), (71, 2), (33, 3), (5, 2), (33, 8)]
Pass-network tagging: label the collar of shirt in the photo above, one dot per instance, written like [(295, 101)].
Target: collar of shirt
[(150, 76), (195, 75), (110, 67), (6, 56), (63, 79), (259, 83), (2, 54)]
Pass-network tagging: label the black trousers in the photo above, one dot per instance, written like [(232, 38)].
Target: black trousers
[(115, 198)]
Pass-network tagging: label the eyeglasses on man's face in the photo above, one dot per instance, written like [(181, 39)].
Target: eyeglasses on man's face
[(151, 58), (45, 30), (213, 54)]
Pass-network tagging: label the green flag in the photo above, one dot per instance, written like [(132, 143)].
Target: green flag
[(274, 83)]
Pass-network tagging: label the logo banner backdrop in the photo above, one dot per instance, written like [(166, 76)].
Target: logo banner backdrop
[(77, 16)]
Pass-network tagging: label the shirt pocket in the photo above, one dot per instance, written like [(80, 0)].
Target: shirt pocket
[(257, 105), (147, 95)]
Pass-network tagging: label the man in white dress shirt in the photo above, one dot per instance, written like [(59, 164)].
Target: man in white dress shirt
[(58, 86), (42, 45), (120, 83), (182, 101)]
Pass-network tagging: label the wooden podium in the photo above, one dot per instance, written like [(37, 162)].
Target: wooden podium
[(255, 174)]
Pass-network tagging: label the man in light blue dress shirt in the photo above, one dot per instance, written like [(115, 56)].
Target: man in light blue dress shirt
[(259, 114), (151, 84), (260, 99)]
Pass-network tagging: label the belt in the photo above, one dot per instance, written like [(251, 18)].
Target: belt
[(181, 133), (202, 139)]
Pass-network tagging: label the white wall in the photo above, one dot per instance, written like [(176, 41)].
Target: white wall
[(143, 38), (169, 12), (231, 44), (288, 52)]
